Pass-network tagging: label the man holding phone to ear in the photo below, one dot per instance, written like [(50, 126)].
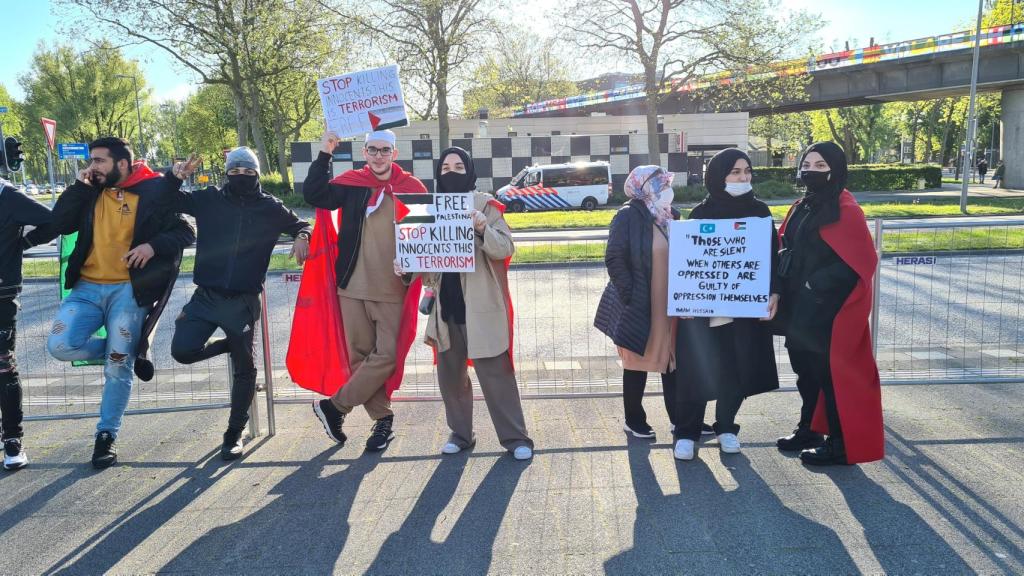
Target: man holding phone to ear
[(126, 256)]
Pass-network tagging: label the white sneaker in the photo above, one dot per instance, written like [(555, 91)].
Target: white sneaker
[(683, 450), (14, 456), (451, 448), (523, 453), (729, 443)]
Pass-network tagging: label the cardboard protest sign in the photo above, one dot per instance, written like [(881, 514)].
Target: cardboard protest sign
[(364, 101), (719, 268), (436, 233)]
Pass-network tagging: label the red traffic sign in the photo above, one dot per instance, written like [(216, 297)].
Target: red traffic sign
[(50, 129)]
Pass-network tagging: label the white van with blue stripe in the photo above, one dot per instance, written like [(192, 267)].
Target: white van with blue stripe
[(584, 185)]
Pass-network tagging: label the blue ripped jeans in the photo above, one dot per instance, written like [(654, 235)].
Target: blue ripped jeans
[(87, 308)]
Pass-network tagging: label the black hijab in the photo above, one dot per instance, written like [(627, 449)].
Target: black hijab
[(469, 179), (824, 202), (836, 159), (721, 204)]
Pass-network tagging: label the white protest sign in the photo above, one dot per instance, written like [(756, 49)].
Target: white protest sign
[(719, 268), (364, 101), (436, 235)]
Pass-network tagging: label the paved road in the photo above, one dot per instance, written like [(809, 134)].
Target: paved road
[(590, 502)]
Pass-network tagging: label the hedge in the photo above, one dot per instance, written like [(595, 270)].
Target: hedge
[(869, 176)]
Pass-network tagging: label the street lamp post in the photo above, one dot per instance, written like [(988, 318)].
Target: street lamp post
[(972, 121), (138, 110)]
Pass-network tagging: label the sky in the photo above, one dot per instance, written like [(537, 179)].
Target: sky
[(26, 23)]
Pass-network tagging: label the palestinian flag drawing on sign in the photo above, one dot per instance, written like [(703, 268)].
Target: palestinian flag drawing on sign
[(414, 209), (385, 118)]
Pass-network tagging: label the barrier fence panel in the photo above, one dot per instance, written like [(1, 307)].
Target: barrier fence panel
[(949, 298)]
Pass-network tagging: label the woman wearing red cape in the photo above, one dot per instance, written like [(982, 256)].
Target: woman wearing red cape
[(827, 262)]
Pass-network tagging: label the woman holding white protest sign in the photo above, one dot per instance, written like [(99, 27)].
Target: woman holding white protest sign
[(470, 319), (827, 264), (633, 311), (725, 359)]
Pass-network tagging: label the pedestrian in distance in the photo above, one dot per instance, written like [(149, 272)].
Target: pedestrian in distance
[(999, 174), (982, 169)]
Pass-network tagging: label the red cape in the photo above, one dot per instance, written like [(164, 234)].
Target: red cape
[(854, 372), (317, 357)]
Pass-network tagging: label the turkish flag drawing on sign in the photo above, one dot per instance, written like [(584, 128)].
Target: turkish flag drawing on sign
[(50, 129)]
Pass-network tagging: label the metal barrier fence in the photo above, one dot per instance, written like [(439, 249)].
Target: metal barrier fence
[(948, 307)]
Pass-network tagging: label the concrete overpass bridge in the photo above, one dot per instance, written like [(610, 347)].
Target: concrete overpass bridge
[(922, 69)]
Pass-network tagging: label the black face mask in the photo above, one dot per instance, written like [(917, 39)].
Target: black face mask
[(455, 182), (815, 181), (243, 184)]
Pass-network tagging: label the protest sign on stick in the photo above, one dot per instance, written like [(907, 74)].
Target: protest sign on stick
[(364, 101)]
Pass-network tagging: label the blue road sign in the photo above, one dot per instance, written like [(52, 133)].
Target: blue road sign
[(3, 109), (73, 151)]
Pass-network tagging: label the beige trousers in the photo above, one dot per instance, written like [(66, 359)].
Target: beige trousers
[(371, 332)]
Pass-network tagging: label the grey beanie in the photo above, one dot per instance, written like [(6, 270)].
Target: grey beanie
[(242, 157)]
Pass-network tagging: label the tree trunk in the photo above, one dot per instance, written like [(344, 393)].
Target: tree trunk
[(945, 133), (241, 117), (653, 95), (282, 158), (442, 113), (257, 130)]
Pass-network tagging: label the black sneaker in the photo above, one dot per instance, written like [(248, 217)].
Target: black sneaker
[(14, 456), (143, 368), (381, 435), (232, 447), (800, 439), (331, 418), (707, 430), (104, 455), (640, 431)]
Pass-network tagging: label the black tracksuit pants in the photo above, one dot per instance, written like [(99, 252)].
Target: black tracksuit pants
[(10, 385), (814, 377), (235, 314)]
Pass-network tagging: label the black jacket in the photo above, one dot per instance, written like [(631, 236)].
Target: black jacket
[(738, 357), (16, 212), (156, 223), (318, 191), (236, 236), (624, 312), (817, 281)]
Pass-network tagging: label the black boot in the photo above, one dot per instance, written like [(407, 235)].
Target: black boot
[(801, 439), (831, 452), (104, 455)]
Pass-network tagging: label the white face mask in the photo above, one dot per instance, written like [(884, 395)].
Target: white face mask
[(666, 197), (738, 188)]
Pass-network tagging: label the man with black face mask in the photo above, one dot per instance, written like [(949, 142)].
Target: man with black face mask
[(238, 227)]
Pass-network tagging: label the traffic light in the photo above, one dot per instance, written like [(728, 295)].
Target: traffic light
[(13, 156)]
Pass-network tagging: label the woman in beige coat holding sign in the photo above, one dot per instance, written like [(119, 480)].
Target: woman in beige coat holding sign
[(471, 319)]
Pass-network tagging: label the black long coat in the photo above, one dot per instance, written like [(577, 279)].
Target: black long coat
[(624, 313), (739, 356)]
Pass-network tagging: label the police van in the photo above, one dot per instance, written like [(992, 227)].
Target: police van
[(584, 185)]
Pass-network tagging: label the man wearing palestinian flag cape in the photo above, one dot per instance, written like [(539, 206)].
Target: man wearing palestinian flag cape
[(351, 344)]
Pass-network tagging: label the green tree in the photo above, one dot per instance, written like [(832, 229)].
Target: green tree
[(434, 41), (519, 68), (206, 126), (679, 41), (233, 43)]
